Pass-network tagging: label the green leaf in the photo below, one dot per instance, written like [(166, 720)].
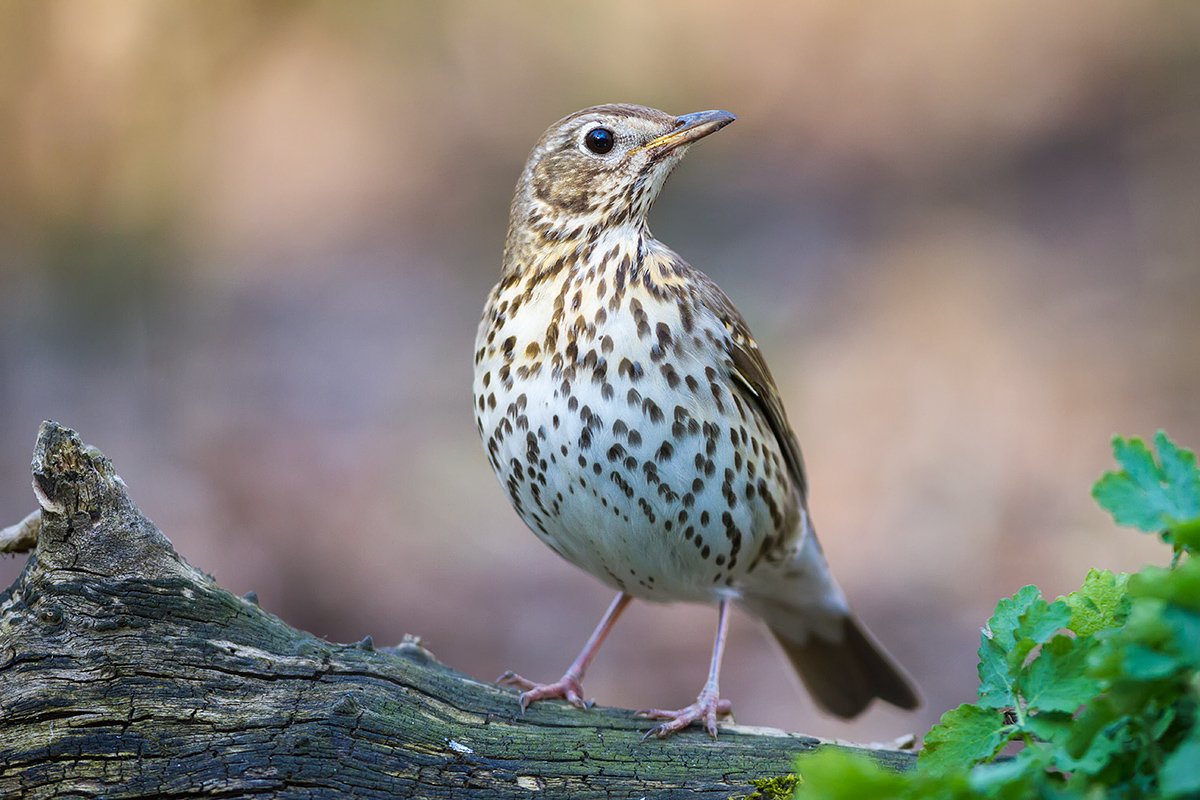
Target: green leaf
[(1185, 634), (1127, 494), (1164, 620), (1014, 778), (830, 774), (1019, 624), (1056, 679), (995, 680), (1180, 776), (1145, 664), (1050, 726), (1179, 586), (1007, 617), (964, 736), (995, 643), (1099, 604), (1147, 495), (1095, 751), (1187, 535), (1043, 620), (1181, 478), (1098, 717)]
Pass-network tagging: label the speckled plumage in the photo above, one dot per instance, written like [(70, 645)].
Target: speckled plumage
[(629, 414)]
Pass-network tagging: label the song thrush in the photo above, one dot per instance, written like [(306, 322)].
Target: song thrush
[(626, 409)]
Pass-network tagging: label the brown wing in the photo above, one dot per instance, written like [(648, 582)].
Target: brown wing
[(752, 379)]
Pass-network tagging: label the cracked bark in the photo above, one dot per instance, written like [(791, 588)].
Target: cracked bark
[(127, 673)]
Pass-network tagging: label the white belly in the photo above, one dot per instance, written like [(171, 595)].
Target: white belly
[(631, 460)]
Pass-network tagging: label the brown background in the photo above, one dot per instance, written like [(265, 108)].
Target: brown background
[(243, 249)]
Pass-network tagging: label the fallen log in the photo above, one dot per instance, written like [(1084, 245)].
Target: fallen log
[(127, 673)]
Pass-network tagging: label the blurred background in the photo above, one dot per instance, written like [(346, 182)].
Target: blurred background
[(244, 247)]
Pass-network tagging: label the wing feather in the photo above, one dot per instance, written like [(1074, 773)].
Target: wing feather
[(751, 378)]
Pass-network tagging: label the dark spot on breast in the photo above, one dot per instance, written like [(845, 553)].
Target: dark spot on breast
[(686, 318), (651, 409), (630, 369)]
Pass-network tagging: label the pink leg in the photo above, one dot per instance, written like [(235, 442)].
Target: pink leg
[(569, 687), (708, 705)]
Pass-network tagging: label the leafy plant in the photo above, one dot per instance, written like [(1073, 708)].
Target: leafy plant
[(1098, 692)]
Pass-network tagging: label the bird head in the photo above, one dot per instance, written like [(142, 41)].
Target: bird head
[(604, 165)]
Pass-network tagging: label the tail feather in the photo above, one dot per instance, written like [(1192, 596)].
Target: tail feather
[(844, 676), (838, 660)]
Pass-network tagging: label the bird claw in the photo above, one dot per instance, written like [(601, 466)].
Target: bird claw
[(565, 688), (510, 678), (706, 709)]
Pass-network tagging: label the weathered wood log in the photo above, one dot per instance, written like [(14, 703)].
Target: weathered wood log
[(127, 673)]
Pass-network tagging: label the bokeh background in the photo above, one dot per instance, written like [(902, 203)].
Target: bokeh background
[(244, 246)]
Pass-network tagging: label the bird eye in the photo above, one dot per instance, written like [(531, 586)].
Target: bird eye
[(599, 140)]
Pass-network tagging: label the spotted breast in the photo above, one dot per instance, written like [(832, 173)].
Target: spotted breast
[(615, 431)]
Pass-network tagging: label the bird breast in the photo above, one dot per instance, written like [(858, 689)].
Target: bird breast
[(602, 397)]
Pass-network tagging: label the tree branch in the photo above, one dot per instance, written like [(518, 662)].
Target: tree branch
[(125, 672)]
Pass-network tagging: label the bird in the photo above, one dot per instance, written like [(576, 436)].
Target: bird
[(629, 414)]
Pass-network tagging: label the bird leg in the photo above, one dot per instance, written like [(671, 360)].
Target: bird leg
[(569, 686), (708, 705)]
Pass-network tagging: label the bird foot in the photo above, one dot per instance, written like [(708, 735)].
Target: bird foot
[(706, 709), (566, 688)]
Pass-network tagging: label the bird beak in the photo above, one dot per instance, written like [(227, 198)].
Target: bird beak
[(688, 129)]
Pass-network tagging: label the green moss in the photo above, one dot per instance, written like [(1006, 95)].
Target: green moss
[(782, 787)]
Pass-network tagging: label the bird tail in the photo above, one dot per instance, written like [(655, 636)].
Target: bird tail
[(838, 660)]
